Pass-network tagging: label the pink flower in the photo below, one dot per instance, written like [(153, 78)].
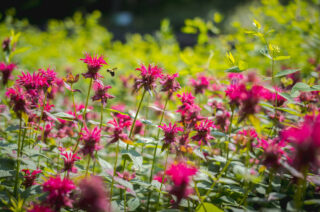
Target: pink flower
[(93, 196), (18, 100), (180, 174), (170, 84), (58, 192), (273, 97), (94, 64), (101, 92), (235, 78), (203, 132), (117, 130), (40, 208), (306, 141), (202, 83), (187, 100), (91, 141), (160, 177), (32, 82), (6, 71), (29, 178), (126, 175), (148, 77), (273, 151), (170, 133), (50, 76), (69, 158)]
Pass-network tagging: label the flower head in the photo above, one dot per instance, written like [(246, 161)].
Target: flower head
[(93, 196), (29, 178), (94, 64), (50, 76), (170, 133), (118, 130), (91, 140), (58, 192), (180, 174), (32, 82), (6, 71), (101, 92), (170, 84), (203, 132), (148, 77), (18, 100), (200, 84), (69, 158)]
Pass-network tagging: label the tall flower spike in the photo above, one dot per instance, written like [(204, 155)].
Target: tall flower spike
[(148, 77), (101, 92), (94, 64), (91, 141), (6, 71)]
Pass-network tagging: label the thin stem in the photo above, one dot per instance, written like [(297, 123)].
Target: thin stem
[(83, 116), (88, 164), (132, 126), (229, 132), (165, 168), (114, 169), (199, 196), (100, 126), (271, 176), (18, 161)]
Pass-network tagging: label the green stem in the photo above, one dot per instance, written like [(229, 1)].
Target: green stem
[(229, 132), (114, 169), (132, 127), (18, 161), (83, 116), (199, 196), (161, 183), (96, 152), (88, 164), (271, 176)]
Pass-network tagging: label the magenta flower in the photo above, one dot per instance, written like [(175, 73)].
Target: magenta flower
[(6, 71), (160, 177), (306, 141), (187, 100), (203, 132), (93, 196), (18, 100), (40, 208), (94, 64), (273, 151), (200, 85), (32, 82), (29, 178), (273, 97), (170, 84), (126, 175), (50, 76), (69, 158), (170, 134), (58, 192), (118, 130), (91, 141), (180, 174), (148, 77), (101, 92)]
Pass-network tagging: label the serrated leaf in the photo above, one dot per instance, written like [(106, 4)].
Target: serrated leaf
[(134, 156)]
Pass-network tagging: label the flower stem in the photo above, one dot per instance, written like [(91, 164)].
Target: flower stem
[(229, 132), (155, 152), (88, 164), (165, 168), (83, 116), (114, 169), (96, 152), (18, 161), (132, 127)]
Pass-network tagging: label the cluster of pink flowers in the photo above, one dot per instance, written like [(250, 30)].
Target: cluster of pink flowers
[(101, 92), (29, 177), (170, 132), (69, 158), (91, 140), (148, 78), (94, 64), (200, 85), (170, 84), (6, 71)]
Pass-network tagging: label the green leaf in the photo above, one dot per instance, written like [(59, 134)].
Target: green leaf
[(5, 173), (104, 164), (134, 156), (234, 69), (206, 207), (298, 87), (116, 111), (286, 72), (64, 116), (133, 204)]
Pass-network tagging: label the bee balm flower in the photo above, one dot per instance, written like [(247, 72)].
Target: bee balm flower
[(94, 64), (91, 141), (148, 77), (6, 71)]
